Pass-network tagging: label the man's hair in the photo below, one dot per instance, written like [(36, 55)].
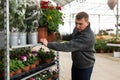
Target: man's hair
[(81, 15)]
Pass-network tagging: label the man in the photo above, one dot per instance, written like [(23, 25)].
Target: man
[(81, 45)]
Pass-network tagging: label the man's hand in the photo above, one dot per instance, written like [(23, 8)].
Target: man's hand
[(44, 41)]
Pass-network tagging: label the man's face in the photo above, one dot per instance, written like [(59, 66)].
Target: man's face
[(81, 24)]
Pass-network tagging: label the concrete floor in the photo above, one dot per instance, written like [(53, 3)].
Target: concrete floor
[(106, 67)]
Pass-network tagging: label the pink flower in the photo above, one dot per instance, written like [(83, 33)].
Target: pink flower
[(23, 58)]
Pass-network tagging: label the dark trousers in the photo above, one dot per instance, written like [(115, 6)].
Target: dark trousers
[(81, 74)]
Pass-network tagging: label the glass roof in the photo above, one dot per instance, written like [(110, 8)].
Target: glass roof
[(63, 2), (101, 16)]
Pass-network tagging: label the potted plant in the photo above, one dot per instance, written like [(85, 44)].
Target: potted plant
[(46, 56), (55, 74), (52, 54), (24, 60), (31, 60), (16, 65), (35, 53), (46, 75), (31, 21), (13, 67), (17, 14), (51, 16)]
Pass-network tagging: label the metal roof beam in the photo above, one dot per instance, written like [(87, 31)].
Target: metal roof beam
[(63, 2)]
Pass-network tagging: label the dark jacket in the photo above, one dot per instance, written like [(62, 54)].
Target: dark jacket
[(81, 45)]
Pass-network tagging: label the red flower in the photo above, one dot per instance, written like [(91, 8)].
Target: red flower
[(43, 3), (44, 7), (58, 7)]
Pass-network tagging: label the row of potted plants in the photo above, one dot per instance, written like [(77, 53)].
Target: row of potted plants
[(34, 14), (46, 75), (24, 59), (23, 16), (101, 46), (30, 16)]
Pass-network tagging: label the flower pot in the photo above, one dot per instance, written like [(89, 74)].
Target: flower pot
[(51, 37), (32, 37), (49, 78), (47, 60), (37, 62), (1, 39), (42, 33), (22, 38), (32, 66), (14, 38), (55, 76), (12, 73), (18, 71), (26, 68)]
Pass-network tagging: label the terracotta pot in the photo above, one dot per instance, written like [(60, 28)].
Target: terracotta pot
[(49, 78), (18, 71), (55, 76), (51, 37), (47, 60), (26, 68), (32, 66), (42, 33), (12, 73), (37, 62)]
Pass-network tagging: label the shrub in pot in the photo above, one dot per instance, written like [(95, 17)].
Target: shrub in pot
[(31, 60)]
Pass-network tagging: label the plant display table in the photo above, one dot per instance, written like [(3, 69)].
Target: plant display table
[(116, 52)]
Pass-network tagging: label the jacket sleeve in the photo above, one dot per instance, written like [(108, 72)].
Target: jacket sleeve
[(67, 37), (71, 46)]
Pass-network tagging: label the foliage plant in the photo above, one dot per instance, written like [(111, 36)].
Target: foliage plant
[(46, 54), (16, 64), (31, 16), (17, 15), (32, 59)]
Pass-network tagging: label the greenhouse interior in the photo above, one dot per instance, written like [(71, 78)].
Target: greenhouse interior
[(59, 40)]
